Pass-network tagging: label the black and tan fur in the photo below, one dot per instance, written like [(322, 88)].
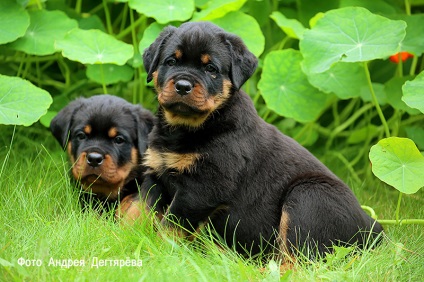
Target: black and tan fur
[(212, 159), (105, 138)]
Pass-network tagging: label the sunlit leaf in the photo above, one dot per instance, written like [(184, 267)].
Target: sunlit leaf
[(350, 34), (12, 15), (45, 27), (21, 103), (286, 89), (164, 11), (246, 27), (109, 73), (217, 9), (343, 79), (398, 162), (149, 36), (413, 92), (293, 28), (94, 47)]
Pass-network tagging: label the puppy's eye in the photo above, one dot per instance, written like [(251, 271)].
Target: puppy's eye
[(81, 135), (119, 139), (171, 62), (211, 68)]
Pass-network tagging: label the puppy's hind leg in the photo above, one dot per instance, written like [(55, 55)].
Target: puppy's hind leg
[(320, 211)]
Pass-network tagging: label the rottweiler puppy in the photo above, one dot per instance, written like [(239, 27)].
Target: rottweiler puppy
[(105, 137), (212, 159)]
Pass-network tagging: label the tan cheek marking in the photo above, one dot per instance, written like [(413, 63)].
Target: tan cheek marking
[(178, 54), (87, 129), (205, 58), (155, 81), (112, 132)]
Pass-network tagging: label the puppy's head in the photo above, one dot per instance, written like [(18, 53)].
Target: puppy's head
[(196, 68), (105, 137)]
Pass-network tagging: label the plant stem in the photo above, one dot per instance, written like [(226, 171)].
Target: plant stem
[(131, 27), (401, 222), (78, 6), (413, 65), (398, 207), (103, 79), (375, 101), (107, 15)]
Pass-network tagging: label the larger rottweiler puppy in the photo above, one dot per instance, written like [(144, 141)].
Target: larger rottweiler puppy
[(212, 159), (105, 137)]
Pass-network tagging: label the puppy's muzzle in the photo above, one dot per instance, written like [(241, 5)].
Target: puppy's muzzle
[(183, 87), (94, 159)]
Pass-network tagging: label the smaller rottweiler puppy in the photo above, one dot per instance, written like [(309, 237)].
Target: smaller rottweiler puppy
[(105, 137), (212, 159)]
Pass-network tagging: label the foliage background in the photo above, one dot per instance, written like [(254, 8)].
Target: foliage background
[(327, 75)]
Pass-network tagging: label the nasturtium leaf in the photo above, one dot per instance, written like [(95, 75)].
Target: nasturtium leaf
[(286, 89), (343, 79), (14, 21), (397, 162), (94, 47), (217, 9), (292, 27), (21, 103), (413, 92), (416, 133), (375, 6), (91, 22), (109, 73), (393, 89), (351, 34), (246, 27), (47, 118), (164, 11), (414, 39), (149, 35), (45, 27)]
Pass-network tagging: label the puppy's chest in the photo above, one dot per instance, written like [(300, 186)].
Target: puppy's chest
[(160, 162)]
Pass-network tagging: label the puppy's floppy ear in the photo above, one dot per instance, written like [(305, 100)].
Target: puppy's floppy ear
[(243, 62), (145, 121), (151, 54), (61, 123)]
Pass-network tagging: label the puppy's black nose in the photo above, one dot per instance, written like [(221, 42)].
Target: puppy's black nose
[(183, 87), (94, 159)]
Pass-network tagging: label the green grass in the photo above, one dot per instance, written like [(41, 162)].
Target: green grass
[(41, 219)]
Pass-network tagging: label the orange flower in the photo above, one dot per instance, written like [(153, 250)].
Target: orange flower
[(400, 56)]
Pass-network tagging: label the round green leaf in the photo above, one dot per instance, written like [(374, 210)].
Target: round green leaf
[(21, 103), (109, 73), (14, 19), (414, 39), (149, 36), (393, 89), (164, 11), (217, 9), (45, 27), (246, 27), (398, 162), (293, 28), (413, 92), (94, 47), (286, 89), (343, 79), (351, 34)]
